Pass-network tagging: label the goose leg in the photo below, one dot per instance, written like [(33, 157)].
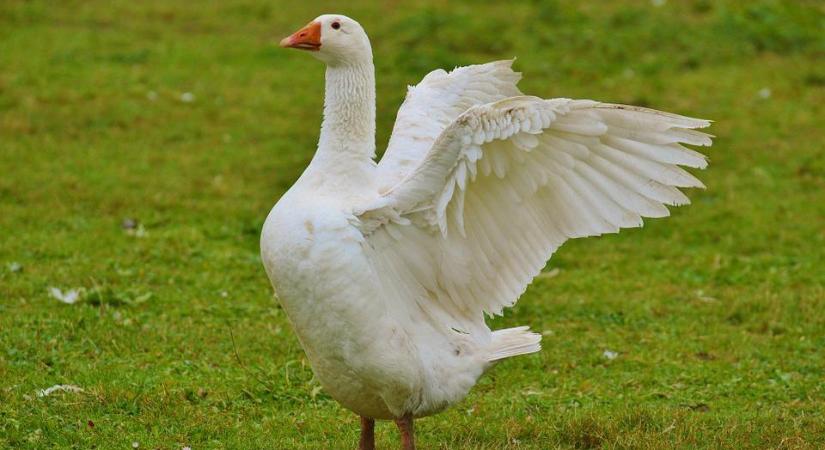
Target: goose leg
[(405, 426), (367, 441)]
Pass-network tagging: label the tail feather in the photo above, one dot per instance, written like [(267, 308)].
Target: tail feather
[(513, 342)]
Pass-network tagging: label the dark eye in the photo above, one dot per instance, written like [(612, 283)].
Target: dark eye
[(336, 25)]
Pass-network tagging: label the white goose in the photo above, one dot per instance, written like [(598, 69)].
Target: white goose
[(386, 270)]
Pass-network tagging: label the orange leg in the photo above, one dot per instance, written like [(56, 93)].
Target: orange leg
[(367, 441), (405, 426)]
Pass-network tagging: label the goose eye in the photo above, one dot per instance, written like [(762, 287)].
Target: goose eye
[(336, 25)]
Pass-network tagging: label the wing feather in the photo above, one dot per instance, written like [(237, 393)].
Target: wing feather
[(508, 181), (434, 104)]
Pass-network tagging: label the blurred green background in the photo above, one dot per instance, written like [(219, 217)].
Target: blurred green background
[(143, 143)]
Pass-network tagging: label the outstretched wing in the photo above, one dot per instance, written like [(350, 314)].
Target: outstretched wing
[(508, 182), (434, 104)]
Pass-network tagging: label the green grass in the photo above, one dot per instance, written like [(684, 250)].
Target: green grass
[(717, 313)]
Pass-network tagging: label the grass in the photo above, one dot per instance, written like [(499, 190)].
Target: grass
[(152, 205)]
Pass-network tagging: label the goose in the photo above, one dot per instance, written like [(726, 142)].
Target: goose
[(387, 270)]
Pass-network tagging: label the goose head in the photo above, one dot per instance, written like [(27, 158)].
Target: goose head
[(334, 39)]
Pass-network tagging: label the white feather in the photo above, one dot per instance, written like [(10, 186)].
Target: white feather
[(387, 271)]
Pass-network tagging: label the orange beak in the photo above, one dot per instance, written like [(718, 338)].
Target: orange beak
[(307, 38)]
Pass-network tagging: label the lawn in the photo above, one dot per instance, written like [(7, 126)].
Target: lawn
[(143, 143)]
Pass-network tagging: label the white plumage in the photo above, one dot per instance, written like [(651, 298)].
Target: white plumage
[(387, 270)]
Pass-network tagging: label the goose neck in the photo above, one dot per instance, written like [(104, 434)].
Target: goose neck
[(349, 110)]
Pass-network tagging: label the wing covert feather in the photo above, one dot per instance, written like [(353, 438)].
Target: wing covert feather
[(509, 181), (434, 104)]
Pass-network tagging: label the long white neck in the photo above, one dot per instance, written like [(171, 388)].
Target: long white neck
[(347, 144), (349, 110)]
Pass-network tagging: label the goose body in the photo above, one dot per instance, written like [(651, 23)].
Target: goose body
[(387, 269), (370, 357)]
